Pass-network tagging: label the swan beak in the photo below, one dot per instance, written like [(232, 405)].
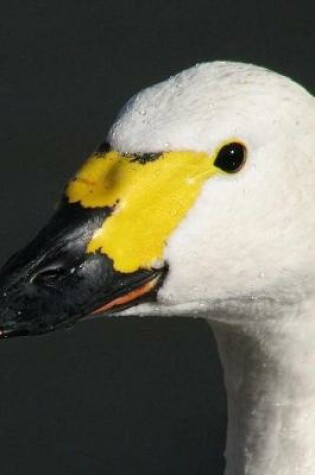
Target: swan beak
[(53, 282), (103, 249)]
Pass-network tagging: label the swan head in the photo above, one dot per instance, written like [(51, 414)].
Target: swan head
[(201, 197)]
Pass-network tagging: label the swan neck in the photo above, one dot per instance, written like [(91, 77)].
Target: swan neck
[(269, 372)]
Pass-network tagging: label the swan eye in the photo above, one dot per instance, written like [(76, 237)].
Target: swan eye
[(231, 157)]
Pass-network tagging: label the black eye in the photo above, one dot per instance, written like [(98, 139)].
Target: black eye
[(231, 157)]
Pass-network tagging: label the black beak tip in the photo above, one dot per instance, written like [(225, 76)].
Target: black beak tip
[(28, 309)]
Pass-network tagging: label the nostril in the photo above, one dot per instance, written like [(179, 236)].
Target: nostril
[(47, 276)]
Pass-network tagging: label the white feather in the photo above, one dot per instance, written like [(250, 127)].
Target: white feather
[(250, 232), (244, 256)]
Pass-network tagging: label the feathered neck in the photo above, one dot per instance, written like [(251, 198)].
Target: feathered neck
[(270, 379)]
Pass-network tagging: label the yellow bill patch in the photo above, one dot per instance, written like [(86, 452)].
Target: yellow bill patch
[(149, 200)]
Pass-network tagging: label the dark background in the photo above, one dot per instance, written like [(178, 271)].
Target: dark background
[(133, 396)]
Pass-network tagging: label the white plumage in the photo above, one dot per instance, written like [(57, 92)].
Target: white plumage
[(244, 256), (252, 231)]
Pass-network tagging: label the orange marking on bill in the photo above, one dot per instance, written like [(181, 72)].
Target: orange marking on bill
[(86, 181), (133, 295)]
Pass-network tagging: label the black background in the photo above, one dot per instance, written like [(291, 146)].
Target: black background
[(133, 396)]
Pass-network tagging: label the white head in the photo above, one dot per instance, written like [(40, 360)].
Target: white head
[(249, 233), (158, 194)]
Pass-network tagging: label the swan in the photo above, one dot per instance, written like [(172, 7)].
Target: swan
[(200, 202)]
